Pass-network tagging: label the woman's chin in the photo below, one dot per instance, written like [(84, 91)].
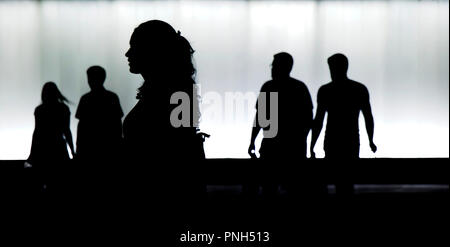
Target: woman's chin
[(134, 70)]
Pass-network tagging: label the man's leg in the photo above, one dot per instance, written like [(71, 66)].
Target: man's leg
[(344, 188)]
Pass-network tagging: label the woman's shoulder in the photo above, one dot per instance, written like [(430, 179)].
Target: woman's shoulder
[(39, 109), (51, 109)]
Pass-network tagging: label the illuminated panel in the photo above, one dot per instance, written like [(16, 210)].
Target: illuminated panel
[(399, 50)]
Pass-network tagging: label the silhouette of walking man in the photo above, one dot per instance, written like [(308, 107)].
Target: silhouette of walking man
[(294, 115), (342, 99), (99, 132)]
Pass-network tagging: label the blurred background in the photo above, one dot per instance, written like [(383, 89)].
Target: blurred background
[(398, 49)]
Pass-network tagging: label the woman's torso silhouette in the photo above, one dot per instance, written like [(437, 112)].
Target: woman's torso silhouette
[(49, 142), (148, 132)]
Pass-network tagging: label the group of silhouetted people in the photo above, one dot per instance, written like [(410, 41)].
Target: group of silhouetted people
[(342, 99), (163, 57), (99, 132)]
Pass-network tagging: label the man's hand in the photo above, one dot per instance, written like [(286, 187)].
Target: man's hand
[(373, 147), (251, 150)]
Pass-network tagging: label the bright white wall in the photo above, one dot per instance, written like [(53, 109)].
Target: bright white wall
[(399, 50)]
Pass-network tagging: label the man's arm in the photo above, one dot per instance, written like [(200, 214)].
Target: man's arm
[(255, 131), (256, 128), (118, 117), (317, 123), (309, 111), (80, 109), (368, 118)]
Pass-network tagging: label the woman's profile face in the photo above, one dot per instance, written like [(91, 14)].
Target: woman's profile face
[(135, 55), (150, 51), (145, 54)]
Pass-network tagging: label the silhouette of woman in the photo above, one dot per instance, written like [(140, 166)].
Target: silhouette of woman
[(52, 130), (164, 59)]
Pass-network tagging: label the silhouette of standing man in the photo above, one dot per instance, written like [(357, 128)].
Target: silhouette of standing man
[(100, 120), (342, 99), (294, 114)]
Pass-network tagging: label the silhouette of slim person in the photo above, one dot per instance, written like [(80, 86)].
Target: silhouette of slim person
[(343, 99), (294, 115), (99, 132), (52, 128), (52, 133)]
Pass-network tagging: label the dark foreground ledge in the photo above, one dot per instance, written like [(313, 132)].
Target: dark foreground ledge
[(238, 171), (111, 202)]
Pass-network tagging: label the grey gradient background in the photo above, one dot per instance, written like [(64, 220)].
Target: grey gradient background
[(398, 49)]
